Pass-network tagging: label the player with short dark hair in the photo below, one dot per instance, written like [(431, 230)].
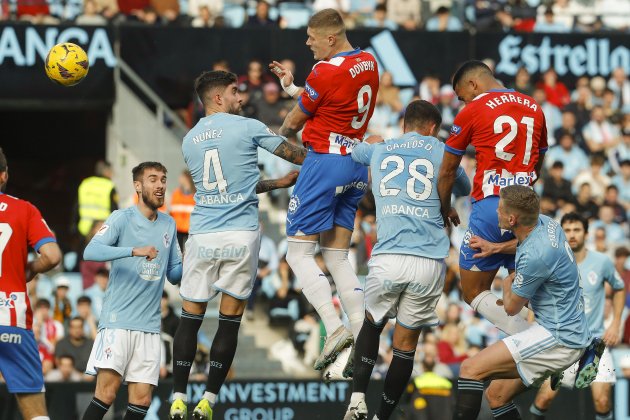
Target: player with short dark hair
[(21, 227), (334, 107), (547, 279), (508, 131), (407, 267), (221, 152), (595, 269), (141, 243)]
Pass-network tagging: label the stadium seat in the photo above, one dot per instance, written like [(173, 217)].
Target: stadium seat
[(234, 15), (296, 15)]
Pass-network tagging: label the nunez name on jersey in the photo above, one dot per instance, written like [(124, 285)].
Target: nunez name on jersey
[(339, 97), (508, 131)]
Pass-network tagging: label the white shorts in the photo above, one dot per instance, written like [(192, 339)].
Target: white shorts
[(538, 354), (605, 372), (220, 262), (406, 287), (135, 355)]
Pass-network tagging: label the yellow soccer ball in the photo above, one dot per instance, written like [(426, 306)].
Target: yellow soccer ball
[(67, 64)]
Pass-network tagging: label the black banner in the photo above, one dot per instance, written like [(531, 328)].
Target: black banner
[(23, 81)]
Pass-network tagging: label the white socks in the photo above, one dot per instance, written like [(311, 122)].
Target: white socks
[(486, 304), (212, 398), (41, 418), (314, 284), (348, 286), (180, 396)]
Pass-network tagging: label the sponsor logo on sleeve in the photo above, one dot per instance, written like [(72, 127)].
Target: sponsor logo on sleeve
[(312, 93), (456, 129), (102, 230)]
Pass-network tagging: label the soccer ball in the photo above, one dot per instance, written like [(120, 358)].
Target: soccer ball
[(67, 64)]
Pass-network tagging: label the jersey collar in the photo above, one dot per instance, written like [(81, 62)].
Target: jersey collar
[(347, 53), (501, 90)]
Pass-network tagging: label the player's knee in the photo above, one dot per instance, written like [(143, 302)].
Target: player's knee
[(543, 399), (496, 397), (467, 370), (602, 402), (106, 394)]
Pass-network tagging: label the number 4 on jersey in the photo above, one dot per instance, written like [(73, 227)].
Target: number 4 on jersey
[(212, 162)]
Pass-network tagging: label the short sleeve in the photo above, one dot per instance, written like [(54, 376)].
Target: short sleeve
[(314, 90), (362, 153), (529, 276), (612, 276), (462, 183), (38, 231), (109, 232), (263, 136), (461, 132)]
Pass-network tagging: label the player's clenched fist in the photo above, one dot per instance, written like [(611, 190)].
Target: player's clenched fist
[(150, 252)]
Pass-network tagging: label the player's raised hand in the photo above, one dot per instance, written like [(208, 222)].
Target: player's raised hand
[(289, 179), (450, 217), (285, 76), (149, 252)]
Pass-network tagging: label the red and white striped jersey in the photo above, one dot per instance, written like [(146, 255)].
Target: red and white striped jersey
[(21, 226), (508, 131)]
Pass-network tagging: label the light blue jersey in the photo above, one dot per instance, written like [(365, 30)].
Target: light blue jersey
[(596, 269), (134, 290), (547, 275), (221, 152), (404, 183)]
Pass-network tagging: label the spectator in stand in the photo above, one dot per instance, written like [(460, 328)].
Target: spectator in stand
[(522, 82), (97, 291), (50, 331), (448, 106), (204, 19), (167, 10), (132, 7), (450, 348), (563, 10), (553, 116), (405, 13), (36, 12), (368, 227), (285, 303), (89, 269), (556, 92), (572, 157), (170, 321), (182, 205), (215, 7), (584, 203), (107, 8), (62, 311), (611, 198), (429, 89), (598, 85), (621, 152), (550, 24), (443, 21), (255, 79), (594, 176), (610, 111), (622, 265), (599, 134), (267, 266), (271, 110), (248, 109), (342, 6), (569, 126), (261, 17), (388, 93), (582, 105), (556, 187), (620, 85), (615, 233), (75, 345), (90, 15), (622, 181), (96, 197), (380, 19), (65, 371), (84, 310)]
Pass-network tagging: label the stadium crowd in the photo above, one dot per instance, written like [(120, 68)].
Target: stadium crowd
[(432, 15)]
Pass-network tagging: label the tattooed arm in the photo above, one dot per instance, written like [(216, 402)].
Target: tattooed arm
[(273, 184), (293, 122), (290, 152)]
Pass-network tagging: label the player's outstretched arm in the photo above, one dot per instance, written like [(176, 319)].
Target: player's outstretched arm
[(446, 179), (290, 152), (49, 257), (273, 184), (293, 122)]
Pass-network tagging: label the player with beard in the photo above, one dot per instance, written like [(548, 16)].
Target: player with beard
[(141, 244), (221, 152)]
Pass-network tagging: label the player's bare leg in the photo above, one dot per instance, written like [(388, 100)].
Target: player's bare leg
[(601, 399), (316, 288), (221, 353), (500, 394), (184, 349), (139, 400), (107, 384), (32, 405), (476, 291), (543, 400)]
